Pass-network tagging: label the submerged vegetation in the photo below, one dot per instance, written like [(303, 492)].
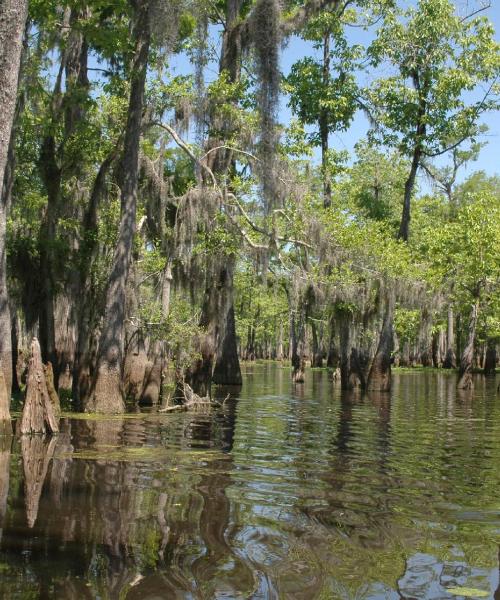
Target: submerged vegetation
[(173, 202)]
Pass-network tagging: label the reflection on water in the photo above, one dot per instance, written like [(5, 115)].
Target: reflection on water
[(285, 492)]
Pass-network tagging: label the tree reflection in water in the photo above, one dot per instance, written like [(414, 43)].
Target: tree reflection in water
[(296, 493)]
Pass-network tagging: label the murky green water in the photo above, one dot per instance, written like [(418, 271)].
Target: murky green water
[(283, 493)]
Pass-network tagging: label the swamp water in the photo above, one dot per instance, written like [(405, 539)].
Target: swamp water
[(301, 492)]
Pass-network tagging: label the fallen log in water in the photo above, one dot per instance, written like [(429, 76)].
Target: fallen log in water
[(192, 401)]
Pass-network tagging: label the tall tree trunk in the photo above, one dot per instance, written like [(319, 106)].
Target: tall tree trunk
[(333, 353), (397, 349), (5, 447), (215, 304), (13, 15), (490, 361), (450, 360), (87, 311), (323, 127), (466, 361), (218, 348), (345, 335), (279, 345), (379, 378), (57, 320), (317, 350), (107, 394), (156, 366), (425, 338), (227, 368), (404, 228), (297, 339)]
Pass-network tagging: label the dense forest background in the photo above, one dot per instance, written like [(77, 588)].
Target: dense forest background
[(160, 224)]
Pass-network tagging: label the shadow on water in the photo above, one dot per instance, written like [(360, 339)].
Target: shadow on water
[(286, 491)]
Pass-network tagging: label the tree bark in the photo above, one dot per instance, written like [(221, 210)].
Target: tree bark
[(107, 394), (227, 368), (279, 345), (490, 361), (450, 359), (379, 378), (216, 306), (87, 311), (467, 358), (5, 447), (13, 15), (404, 228), (156, 366), (297, 339), (38, 412), (58, 325), (345, 334), (317, 350), (425, 338)]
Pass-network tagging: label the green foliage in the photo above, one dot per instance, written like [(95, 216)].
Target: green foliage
[(315, 94), (438, 59), (406, 324), (468, 248)]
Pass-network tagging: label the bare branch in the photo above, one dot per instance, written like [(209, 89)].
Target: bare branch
[(182, 144)]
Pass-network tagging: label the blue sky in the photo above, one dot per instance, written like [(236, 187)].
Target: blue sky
[(297, 48)]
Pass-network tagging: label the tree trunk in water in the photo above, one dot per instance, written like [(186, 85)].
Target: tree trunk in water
[(63, 181), (279, 349), (436, 362), (5, 424), (317, 351), (38, 412), (136, 359), (379, 378), (405, 354), (107, 396), (345, 321), (397, 349), (220, 361), (490, 361), (227, 368), (49, 380), (425, 338), (297, 339), (15, 351), (81, 377), (213, 320), (13, 14), (466, 361), (5, 446), (450, 360), (227, 365), (156, 366), (332, 360)]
